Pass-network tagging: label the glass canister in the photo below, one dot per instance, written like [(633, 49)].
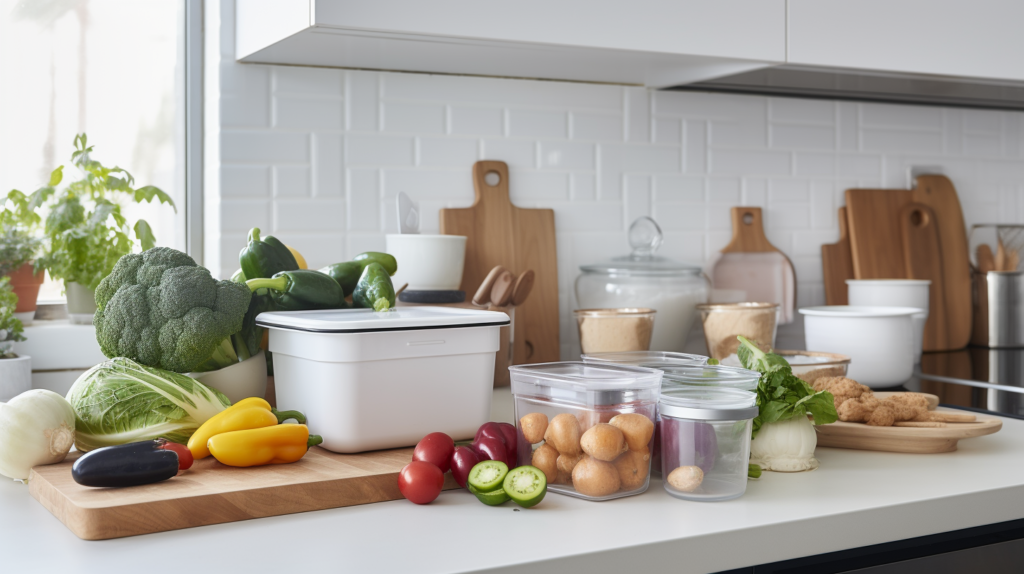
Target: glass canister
[(589, 428), (642, 279), (705, 446)]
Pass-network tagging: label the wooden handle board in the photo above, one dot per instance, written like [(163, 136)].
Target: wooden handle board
[(211, 493), (837, 264), (502, 234), (923, 259)]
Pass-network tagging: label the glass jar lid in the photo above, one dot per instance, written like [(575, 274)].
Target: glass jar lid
[(711, 376), (707, 403), (644, 237), (650, 359)]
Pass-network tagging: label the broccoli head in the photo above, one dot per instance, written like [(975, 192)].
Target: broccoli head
[(160, 308)]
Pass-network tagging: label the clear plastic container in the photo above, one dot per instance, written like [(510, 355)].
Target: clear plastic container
[(557, 407), (705, 446), (650, 359)]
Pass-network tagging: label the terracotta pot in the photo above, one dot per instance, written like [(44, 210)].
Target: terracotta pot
[(26, 285)]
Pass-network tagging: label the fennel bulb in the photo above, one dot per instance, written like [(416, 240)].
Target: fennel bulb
[(785, 446), (36, 427)]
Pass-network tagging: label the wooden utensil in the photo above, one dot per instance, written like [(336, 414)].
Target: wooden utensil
[(837, 264), (876, 234), (483, 293), (500, 233), (922, 440), (751, 263), (211, 493), (922, 258), (501, 291), (986, 261), (523, 286)]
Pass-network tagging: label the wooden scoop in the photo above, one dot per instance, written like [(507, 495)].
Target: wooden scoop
[(483, 293), (501, 291), (522, 288)]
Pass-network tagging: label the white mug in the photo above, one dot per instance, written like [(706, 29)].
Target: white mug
[(428, 262)]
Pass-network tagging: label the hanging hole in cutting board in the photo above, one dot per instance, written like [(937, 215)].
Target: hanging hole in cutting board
[(492, 178), (748, 218), (918, 218)]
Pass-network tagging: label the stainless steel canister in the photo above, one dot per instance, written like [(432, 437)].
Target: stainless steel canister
[(999, 309)]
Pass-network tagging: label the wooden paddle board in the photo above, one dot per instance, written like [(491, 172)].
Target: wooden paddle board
[(917, 440), (519, 239), (211, 493), (837, 264)]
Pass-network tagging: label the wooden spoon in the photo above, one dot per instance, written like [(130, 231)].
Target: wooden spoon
[(501, 291), (523, 286), (483, 293), (986, 262)]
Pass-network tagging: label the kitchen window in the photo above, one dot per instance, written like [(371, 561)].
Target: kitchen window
[(119, 71)]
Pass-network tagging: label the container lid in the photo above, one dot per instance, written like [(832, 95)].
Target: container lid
[(579, 376), (707, 403), (858, 311), (366, 320), (651, 359), (897, 282), (711, 376), (644, 237)]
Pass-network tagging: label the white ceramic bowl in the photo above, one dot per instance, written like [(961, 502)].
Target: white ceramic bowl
[(428, 262), (239, 381), (878, 340), (894, 293)]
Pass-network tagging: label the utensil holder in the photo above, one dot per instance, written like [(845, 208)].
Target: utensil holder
[(999, 309)]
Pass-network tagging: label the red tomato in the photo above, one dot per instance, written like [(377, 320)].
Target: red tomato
[(184, 455), (463, 460), (420, 482), (435, 448), (491, 449)]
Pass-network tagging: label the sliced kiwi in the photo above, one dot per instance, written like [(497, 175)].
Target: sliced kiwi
[(492, 498), (525, 485), (487, 475)]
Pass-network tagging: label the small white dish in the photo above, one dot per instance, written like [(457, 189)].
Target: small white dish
[(894, 293), (239, 381), (428, 262), (878, 340)]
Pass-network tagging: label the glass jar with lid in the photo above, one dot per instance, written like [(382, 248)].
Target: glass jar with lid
[(643, 279)]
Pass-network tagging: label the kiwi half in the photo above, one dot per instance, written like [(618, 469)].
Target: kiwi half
[(526, 485)]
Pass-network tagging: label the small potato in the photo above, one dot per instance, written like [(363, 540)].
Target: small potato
[(545, 458), (686, 478), (603, 442), (567, 462), (563, 433), (637, 428), (633, 467), (593, 477), (534, 425)]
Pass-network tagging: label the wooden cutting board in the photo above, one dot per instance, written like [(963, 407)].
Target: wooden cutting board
[(211, 493), (752, 264), (923, 260), (519, 239), (860, 436), (879, 251), (837, 264)]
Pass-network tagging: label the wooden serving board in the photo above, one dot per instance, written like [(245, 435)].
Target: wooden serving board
[(211, 493), (905, 439), (837, 264), (518, 239)]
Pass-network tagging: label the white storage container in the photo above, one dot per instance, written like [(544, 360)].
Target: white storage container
[(369, 381)]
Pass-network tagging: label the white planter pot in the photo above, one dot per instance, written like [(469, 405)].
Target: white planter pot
[(239, 381), (81, 302), (15, 377)]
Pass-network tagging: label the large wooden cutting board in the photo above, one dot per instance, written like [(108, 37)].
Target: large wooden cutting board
[(211, 493), (837, 264), (881, 251), (518, 239)]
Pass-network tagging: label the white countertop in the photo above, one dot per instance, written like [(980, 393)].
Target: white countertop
[(856, 498)]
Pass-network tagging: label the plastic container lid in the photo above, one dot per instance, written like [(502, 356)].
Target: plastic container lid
[(586, 383), (711, 376), (651, 359), (644, 237), (707, 403), (367, 320)]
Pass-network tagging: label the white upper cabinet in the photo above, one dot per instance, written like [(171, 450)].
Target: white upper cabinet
[(965, 38), (651, 42)]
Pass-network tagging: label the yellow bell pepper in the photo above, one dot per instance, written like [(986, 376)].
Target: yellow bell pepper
[(279, 444), (251, 413)]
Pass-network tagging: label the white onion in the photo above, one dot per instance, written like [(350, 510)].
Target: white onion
[(785, 446), (36, 427)]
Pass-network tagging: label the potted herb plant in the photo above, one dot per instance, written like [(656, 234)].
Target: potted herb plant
[(19, 245), (85, 231), (15, 371)]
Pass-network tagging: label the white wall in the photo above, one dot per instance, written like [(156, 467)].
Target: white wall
[(316, 157)]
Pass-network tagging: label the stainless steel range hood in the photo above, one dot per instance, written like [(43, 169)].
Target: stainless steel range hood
[(870, 86)]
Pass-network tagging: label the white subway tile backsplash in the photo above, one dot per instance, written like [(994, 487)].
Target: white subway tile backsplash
[(291, 181), (299, 153), (244, 181)]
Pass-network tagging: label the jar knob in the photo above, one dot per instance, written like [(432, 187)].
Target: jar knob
[(644, 237)]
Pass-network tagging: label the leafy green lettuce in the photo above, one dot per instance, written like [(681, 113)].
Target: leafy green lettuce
[(120, 401), (781, 395)]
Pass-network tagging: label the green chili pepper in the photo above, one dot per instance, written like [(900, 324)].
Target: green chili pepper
[(346, 274), (385, 259), (263, 258), (300, 290), (374, 290)]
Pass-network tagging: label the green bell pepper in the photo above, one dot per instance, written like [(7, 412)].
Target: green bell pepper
[(346, 274), (238, 277), (300, 290), (374, 290), (387, 260), (263, 258)]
